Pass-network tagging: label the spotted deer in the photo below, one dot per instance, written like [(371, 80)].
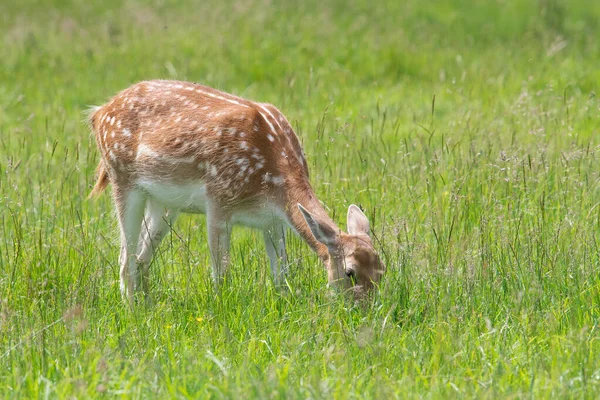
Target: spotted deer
[(169, 147)]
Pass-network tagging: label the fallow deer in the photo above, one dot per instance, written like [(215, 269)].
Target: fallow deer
[(169, 147)]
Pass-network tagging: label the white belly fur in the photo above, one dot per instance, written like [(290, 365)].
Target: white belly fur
[(191, 198)]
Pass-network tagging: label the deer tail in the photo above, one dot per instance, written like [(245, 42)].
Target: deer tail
[(101, 182)]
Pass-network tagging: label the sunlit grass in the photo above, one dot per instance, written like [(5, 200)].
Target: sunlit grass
[(466, 130)]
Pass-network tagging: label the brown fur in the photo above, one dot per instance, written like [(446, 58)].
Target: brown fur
[(233, 132)]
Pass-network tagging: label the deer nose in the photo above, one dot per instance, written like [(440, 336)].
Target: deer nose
[(350, 273)]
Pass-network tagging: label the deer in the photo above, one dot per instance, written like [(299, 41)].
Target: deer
[(171, 147)]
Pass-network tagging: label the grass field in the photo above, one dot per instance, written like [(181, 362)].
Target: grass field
[(467, 130)]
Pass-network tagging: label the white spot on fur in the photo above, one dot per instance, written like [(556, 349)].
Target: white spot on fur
[(270, 137), (216, 96), (271, 115), (277, 180), (270, 125), (144, 150)]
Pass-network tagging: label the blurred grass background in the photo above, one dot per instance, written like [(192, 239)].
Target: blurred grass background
[(467, 130)]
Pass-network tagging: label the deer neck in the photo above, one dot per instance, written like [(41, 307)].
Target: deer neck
[(305, 196)]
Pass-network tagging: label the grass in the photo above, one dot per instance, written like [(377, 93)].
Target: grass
[(468, 131)]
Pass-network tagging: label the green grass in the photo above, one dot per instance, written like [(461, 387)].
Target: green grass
[(468, 131)]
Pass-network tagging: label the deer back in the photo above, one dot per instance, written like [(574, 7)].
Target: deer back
[(181, 133)]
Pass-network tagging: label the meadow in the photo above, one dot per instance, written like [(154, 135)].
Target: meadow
[(466, 130)]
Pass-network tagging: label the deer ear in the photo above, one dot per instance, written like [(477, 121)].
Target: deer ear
[(357, 221), (321, 232)]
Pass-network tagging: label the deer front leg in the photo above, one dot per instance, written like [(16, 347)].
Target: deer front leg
[(219, 234), (275, 244)]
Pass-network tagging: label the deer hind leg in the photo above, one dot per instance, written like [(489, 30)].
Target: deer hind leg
[(275, 245), (130, 211), (219, 235), (156, 224)]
